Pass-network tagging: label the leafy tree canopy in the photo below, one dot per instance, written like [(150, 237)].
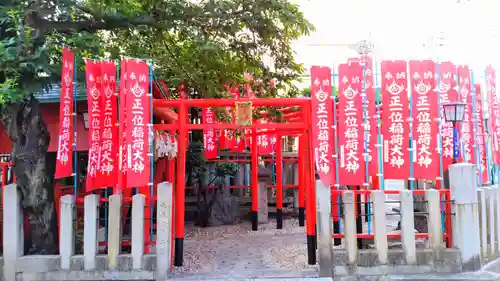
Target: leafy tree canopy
[(205, 44)]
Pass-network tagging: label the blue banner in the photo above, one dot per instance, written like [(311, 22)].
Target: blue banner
[(456, 144)]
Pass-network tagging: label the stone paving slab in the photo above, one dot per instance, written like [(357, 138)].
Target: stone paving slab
[(232, 252), (235, 253), (260, 279), (427, 277)]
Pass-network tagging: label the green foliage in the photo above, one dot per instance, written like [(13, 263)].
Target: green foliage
[(197, 165), (306, 92), (204, 44)]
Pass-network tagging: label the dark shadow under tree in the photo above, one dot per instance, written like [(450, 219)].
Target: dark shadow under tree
[(214, 206)]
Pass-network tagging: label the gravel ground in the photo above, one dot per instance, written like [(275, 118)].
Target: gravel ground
[(238, 252)]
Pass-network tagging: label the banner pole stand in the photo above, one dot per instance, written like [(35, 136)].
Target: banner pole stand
[(152, 152), (75, 113), (336, 202), (411, 180), (380, 175)]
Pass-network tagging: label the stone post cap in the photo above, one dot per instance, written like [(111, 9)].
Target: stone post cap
[(463, 183), (463, 164)]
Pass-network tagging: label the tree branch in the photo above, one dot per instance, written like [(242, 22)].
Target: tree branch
[(35, 18), (45, 27)]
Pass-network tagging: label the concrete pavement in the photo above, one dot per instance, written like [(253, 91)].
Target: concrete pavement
[(477, 276)]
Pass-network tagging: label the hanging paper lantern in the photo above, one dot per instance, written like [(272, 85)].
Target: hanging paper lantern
[(171, 149), (165, 145)]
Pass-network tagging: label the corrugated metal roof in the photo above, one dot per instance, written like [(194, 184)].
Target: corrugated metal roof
[(53, 94)]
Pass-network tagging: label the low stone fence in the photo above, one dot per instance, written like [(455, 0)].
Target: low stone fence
[(381, 258), (489, 221), (90, 265), (433, 256), (475, 235)]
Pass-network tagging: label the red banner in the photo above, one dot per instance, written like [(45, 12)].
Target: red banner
[(209, 138), (395, 116), (425, 124), (480, 138), (447, 77), (265, 142), (494, 108), (138, 118), (228, 138), (64, 162), (240, 143), (351, 129), (94, 81), (122, 164), (371, 108), (108, 168), (467, 124), (322, 122)]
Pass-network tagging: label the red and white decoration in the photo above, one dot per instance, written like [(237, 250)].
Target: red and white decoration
[(64, 161), (109, 131), (445, 87), (210, 142), (480, 158), (322, 122), (122, 140), (395, 120), (467, 124), (265, 142), (425, 120), (94, 81), (494, 110), (370, 109), (350, 126), (138, 121)]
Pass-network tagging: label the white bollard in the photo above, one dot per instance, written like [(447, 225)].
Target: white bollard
[(379, 226), (295, 168), (496, 199), (91, 215), (350, 227), (490, 220), (434, 222), (325, 231), (463, 186), (12, 231), (66, 233), (138, 203), (163, 231), (263, 211), (483, 222), (408, 227), (114, 230)]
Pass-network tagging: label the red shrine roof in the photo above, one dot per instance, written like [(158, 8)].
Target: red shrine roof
[(50, 113)]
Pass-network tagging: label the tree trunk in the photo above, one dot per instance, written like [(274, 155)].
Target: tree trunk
[(214, 206), (217, 207), (225, 208), (28, 132)]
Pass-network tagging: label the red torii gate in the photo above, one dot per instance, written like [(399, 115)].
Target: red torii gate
[(298, 123)]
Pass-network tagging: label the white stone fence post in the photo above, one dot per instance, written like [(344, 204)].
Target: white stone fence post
[(465, 227), (13, 234), (68, 266), (489, 222), (468, 216), (380, 231)]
